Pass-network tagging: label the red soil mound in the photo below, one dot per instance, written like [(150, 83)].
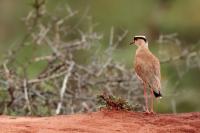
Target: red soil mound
[(103, 122)]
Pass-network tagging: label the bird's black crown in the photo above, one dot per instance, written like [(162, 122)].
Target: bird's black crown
[(140, 37)]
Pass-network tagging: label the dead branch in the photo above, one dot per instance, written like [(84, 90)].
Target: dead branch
[(64, 84), (64, 87)]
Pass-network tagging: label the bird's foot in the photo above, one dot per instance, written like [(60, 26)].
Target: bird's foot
[(152, 112), (147, 111)]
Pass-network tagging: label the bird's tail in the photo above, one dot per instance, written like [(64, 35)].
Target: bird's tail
[(157, 94)]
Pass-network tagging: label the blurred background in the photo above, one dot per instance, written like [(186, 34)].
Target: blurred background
[(30, 29)]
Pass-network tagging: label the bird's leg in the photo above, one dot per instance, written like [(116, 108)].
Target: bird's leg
[(146, 98), (152, 101)]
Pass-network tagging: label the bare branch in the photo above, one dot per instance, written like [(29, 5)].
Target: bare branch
[(64, 87), (26, 95)]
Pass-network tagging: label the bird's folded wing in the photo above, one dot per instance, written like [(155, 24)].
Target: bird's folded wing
[(147, 68)]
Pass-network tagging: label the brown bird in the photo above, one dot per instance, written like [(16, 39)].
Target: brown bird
[(147, 68)]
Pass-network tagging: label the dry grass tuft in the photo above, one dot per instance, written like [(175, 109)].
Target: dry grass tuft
[(106, 100)]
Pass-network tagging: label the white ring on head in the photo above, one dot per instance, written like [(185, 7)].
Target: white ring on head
[(141, 36)]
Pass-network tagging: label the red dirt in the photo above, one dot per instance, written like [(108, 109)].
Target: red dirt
[(104, 121)]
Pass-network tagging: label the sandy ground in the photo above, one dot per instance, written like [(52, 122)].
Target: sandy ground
[(105, 121)]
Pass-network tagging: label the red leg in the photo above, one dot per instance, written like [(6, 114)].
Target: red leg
[(146, 98), (152, 101)]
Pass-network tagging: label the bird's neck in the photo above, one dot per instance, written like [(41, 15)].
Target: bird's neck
[(145, 46), (142, 49), (142, 44)]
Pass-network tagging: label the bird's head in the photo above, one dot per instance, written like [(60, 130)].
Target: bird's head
[(139, 41)]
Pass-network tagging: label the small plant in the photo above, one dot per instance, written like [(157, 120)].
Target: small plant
[(111, 102)]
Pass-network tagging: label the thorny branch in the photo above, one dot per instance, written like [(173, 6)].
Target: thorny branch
[(186, 54), (32, 22), (64, 87), (63, 84)]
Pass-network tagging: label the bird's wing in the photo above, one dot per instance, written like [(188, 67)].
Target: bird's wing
[(147, 67), (155, 73)]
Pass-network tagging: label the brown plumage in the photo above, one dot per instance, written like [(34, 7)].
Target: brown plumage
[(147, 68)]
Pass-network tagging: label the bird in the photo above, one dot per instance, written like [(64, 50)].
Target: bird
[(147, 69)]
